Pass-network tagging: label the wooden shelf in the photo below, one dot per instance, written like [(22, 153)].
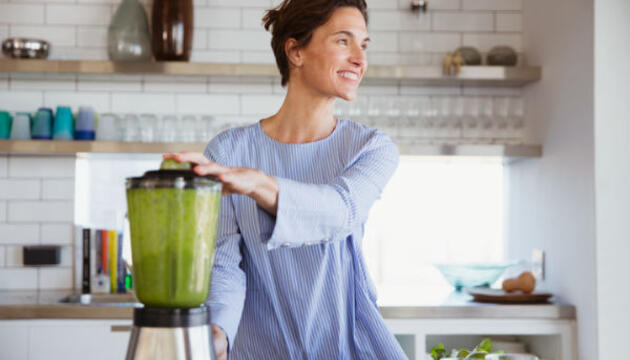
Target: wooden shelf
[(376, 74), (51, 147)]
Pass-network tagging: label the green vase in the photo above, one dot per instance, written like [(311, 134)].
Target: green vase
[(128, 35)]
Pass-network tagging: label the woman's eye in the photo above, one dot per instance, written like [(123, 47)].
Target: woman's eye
[(364, 47), (342, 41)]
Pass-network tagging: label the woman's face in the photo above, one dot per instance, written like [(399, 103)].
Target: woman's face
[(334, 61)]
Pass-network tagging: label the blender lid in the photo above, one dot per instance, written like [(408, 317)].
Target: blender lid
[(186, 179)]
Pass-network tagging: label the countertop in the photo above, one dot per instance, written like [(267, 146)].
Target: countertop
[(46, 305)]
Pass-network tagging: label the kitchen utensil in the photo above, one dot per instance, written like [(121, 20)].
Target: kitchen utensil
[(84, 128), (21, 127), (24, 48), (173, 217), (515, 297), (502, 55), (172, 22), (128, 36), (5, 125), (42, 124), (471, 275), (63, 126)]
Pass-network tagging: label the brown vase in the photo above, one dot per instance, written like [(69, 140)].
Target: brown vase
[(172, 29)]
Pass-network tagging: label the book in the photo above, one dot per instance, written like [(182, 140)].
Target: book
[(120, 274), (113, 260), (85, 282)]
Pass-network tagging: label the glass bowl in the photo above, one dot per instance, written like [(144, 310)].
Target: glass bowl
[(471, 275)]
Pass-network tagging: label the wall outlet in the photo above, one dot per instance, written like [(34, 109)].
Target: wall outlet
[(538, 264)]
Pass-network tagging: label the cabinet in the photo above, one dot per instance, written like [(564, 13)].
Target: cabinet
[(64, 339), (550, 339)]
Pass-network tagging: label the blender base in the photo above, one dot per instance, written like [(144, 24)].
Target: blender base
[(173, 334)]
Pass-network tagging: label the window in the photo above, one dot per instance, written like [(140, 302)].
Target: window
[(433, 210)]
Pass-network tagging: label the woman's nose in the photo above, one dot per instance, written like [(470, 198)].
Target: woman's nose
[(358, 56)]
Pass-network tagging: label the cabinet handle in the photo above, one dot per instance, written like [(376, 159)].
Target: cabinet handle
[(121, 328)]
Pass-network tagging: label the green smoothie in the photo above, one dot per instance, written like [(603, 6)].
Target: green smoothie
[(173, 232)]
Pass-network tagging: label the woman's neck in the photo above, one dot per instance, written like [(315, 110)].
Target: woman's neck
[(304, 116)]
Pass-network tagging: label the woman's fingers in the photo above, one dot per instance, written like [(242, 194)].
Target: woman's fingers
[(211, 168), (188, 156)]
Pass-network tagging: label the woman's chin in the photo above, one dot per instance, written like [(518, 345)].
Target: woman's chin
[(347, 96)]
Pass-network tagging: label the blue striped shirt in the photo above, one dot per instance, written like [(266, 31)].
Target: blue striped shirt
[(295, 285)]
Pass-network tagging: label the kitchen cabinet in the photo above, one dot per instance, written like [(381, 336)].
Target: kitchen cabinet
[(550, 339), (64, 339)]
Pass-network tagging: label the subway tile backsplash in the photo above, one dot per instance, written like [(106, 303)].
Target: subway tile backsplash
[(37, 192)]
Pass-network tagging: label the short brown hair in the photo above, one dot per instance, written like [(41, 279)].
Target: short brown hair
[(298, 19)]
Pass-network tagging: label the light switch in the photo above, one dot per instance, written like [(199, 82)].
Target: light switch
[(538, 264)]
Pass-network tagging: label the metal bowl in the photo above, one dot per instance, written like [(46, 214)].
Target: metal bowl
[(23, 48)]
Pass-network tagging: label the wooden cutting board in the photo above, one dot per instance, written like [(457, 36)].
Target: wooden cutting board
[(515, 297)]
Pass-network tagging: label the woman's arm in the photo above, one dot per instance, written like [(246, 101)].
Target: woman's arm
[(309, 213)]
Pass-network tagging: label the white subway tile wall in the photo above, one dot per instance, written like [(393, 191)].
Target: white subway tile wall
[(37, 192), (36, 207)]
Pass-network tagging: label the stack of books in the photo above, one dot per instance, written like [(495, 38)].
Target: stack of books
[(103, 269)]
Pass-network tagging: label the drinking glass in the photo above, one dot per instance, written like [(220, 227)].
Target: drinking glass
[(84, 127), (169, 128), (487, 130), (5, 125), (471, 122), (21, 127), (516, 118), (42, 124), (63, 126), (106, 127), (187, 126), (131, 128), (501, 109), (148, 127), (205, 128)]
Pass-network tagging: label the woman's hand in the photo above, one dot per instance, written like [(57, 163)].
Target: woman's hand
[(220, 342), (236, 180)]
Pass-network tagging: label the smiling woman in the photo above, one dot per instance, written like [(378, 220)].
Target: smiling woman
[(289, 279)]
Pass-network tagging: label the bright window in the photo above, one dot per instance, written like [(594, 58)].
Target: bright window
[(433, 210)]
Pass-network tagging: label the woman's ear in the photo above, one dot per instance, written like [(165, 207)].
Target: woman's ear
[(294, 55)]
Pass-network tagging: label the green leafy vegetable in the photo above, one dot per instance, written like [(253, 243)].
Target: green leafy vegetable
[(479, 352), (438, 352)]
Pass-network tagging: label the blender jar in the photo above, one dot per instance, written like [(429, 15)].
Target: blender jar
[(173, 217)]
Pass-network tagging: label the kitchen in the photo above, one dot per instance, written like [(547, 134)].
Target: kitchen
[(568, 202)]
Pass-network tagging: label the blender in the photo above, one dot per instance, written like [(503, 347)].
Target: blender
[(173, 215)]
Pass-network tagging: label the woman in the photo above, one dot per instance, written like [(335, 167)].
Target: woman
[(289, 280)]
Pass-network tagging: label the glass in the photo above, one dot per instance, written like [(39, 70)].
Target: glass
[(5, 125), (130, 128), (488, 128), (148, 127), (501, 110), (42, 124), (63, 127), (187, 126), (106, 127), (205, 132), (169, 128), (21, 127), (173, 219), (428, 116), (471, 121), (516, 118), (84, 127)]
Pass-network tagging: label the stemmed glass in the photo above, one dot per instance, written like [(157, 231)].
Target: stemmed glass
[(471, 119)]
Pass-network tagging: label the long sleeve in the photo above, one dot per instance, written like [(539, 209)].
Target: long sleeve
[(312, 213), (227, 287)]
